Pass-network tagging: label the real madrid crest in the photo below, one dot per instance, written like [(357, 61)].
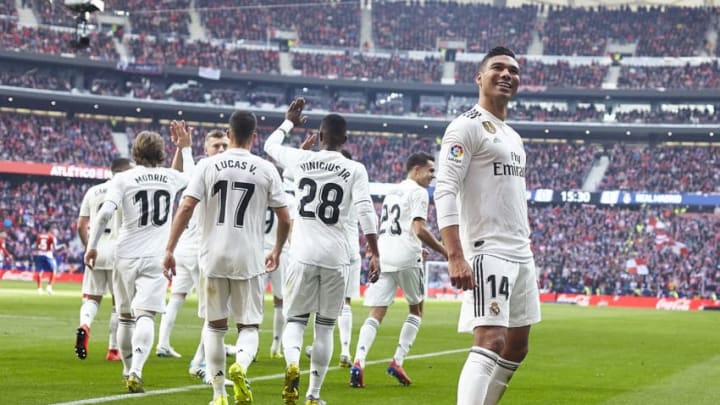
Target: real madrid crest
[(494, 307), (489, 127)]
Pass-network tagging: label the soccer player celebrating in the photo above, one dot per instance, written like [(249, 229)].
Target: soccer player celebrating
[(187, 269), (45, 245), (326, 185), (233, 190), (482, 215), (144, 194), (403, 229), (98, 281)]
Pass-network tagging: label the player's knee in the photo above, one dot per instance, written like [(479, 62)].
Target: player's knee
[(491, 338)]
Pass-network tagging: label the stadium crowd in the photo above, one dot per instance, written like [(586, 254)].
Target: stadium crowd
[(687, 169), (658, 31), (332, 24), (353, 66), (397, 25), (47, 139), (29, 204), (582, 245), (703, 76)]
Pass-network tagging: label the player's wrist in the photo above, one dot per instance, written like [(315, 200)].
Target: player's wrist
[(286, 127)]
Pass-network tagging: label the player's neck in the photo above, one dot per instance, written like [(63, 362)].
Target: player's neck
[(496, 107), (247, 145)]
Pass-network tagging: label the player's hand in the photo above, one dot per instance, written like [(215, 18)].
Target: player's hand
[(169, 265), (374, 273), (294, 112), (461, 275), (272, 260), (425, 253), (180, 134), (90, 257), (308, 143)]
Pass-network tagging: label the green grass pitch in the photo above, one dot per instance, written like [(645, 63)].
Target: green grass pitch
[(577, 356)]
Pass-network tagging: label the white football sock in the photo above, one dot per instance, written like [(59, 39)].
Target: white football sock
[(126, 327), (407, 337), (199, 357), (247, 346), (321, 353), (88, 310), (345, 329), (278, 326), (475, 376), (168, 319), (366, 339), (142, 341), (293, 338), (500, 378), (112, 340), (214, 340)]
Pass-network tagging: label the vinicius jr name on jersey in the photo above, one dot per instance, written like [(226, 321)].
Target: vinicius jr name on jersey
[(330, 167), (235, 164), (504, 169)]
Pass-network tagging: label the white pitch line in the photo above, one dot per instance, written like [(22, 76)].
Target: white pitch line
[(118, 397)]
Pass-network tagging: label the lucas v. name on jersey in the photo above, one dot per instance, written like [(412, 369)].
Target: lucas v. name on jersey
[(235, 164)]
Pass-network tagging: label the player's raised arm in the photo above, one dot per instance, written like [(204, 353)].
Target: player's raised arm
[(181, 137), (273, 146)]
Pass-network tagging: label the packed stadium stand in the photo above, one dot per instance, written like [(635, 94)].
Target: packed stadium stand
[(618, 107)]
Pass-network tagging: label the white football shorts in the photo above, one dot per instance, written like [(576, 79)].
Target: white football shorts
[(139, 283), (309, 288), (97, 281), (186, 274), (506, 294), (411, 281), (243, 299)]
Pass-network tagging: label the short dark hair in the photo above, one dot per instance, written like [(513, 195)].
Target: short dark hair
[(335, 129), (242, 125), (149, 149), (119, 165), (498, 50), (417, 159), (346, 153)]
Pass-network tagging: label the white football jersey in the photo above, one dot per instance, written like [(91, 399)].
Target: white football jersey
[(271, 224), (481, 186), (235, 189), (399, 247), (189, 243), (91, 203), (144, 196), (352, 235), (326, 186)]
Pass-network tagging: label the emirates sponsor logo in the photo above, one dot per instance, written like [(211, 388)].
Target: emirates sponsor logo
[(673, 305)]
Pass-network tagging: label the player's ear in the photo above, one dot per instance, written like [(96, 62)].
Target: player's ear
[(478, 78), (254, 138)]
